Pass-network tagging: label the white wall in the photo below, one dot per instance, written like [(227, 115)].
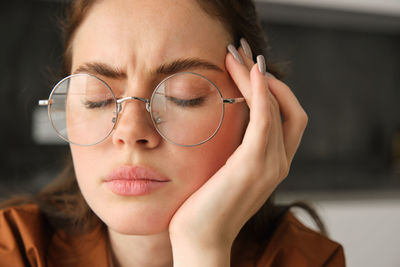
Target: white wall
[(368, 227), (389, 7)]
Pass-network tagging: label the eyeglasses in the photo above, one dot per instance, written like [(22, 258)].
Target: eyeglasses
[(186, 108)]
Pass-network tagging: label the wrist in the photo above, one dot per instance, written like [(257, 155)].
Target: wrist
[(191, 254)]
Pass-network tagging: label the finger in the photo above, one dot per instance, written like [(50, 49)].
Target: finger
[(272, 153), (260, 113), (295, 118), (240, 75), (246, 53), (280, 150), (246, 49), (246, 61)]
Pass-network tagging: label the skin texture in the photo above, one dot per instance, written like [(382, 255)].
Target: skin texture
[(214, 188)]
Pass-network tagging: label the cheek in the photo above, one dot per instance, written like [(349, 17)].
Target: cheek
[(91, 166), (233, 126), (85, 170), (206, 159), (84, 161)]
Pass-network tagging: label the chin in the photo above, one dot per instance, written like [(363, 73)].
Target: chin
[(136, 223), (129, 228)]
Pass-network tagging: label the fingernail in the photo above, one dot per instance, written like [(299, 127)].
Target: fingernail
[(261, 64), (235, 53), (246, 48), (270, 75)]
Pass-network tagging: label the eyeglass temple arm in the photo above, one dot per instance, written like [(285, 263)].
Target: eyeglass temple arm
[(225, 100), (233, 100), (45, 102)]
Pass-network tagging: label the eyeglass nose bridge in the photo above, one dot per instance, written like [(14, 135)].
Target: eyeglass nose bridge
[(129, 98)]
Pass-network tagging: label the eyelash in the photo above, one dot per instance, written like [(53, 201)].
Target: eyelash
[(92, 105), (187, 102), (179, 102)]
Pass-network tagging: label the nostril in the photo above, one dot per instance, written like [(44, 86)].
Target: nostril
[(121, 142), (142, 141)]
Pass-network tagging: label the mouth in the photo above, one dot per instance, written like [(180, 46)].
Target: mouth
[(134, 181)]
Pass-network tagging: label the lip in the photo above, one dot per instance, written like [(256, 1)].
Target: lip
[(134, 180)]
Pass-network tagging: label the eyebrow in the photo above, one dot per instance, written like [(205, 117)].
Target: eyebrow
[(186, 64), (167, 68), (101, 69)]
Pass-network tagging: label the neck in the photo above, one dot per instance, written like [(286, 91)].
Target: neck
[(140, 250)]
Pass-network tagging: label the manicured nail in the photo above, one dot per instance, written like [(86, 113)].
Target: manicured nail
[(246, 48), (261, 64), (235, 53), (270, 75)]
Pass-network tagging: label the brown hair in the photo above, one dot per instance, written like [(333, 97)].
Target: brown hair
[(62, 201)]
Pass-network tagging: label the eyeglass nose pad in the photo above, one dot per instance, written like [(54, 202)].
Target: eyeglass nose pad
[(119, 107), (157, 118), (114, 119)]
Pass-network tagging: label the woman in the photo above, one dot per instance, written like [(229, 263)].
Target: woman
[(177, 145)]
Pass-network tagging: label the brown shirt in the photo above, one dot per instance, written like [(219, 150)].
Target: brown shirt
[(26, 239)]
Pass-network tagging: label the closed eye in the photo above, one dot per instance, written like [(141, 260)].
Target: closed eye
[(100, 104), (186, 102)]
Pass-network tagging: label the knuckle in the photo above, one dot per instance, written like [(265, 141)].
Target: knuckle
[(302, 119), (305, 117), (275, 169), (284, 171)]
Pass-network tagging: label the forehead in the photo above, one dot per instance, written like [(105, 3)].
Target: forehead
[(141, 34)]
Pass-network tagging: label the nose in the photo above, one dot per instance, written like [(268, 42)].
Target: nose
[(134, 127)]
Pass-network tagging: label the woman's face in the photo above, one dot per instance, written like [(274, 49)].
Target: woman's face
[(136, 38)]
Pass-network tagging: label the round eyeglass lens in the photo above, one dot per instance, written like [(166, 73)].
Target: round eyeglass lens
[(187, 109), (82, 109)]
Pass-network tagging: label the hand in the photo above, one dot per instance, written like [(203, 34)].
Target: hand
[(202, 232)]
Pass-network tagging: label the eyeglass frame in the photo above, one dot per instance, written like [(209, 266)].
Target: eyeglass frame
[(119, 101)]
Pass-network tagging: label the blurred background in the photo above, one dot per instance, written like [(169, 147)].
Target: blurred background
[(342, 60)]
